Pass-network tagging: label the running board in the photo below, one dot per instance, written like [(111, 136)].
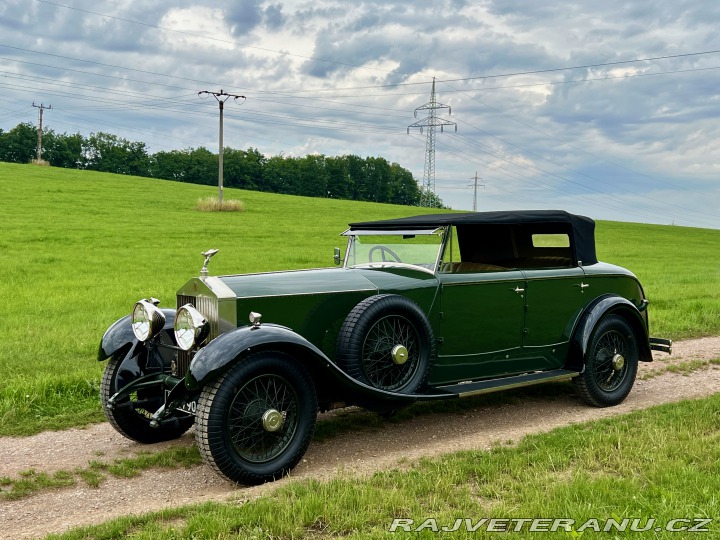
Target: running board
[(504, 383), (660, 344)]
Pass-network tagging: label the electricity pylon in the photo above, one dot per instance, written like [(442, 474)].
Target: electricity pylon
[(475, 193), (431, 121)]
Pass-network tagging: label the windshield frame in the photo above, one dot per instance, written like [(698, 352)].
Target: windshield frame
[(353, 236)]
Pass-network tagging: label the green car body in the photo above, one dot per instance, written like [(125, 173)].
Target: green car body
[(430, 307)]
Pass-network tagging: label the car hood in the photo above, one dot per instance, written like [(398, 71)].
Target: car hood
[(299, 282)]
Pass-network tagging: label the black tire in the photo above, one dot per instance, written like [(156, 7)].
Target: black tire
[(134, 422), (370, 334), (607, 380), (235, 418)]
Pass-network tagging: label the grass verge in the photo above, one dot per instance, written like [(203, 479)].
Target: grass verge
[(661, 463)]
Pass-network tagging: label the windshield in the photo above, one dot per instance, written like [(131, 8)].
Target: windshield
[(416, 249)]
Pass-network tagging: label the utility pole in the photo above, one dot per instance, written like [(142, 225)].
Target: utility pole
[(430, 122), (475, 193), (39, 148), (221, 98)]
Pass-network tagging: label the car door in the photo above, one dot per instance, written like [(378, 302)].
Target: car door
[(481, 326), (555, 298)]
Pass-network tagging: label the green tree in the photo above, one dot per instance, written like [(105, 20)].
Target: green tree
[(63, 150), (19, 145), (110, 153)]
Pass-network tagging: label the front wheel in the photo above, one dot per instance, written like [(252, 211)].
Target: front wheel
[(131, 416), (255, 422), (611, 363)]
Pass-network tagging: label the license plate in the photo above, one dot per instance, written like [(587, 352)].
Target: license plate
[(188, 407)]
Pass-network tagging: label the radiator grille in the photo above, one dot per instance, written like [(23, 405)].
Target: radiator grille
[(209, 308)]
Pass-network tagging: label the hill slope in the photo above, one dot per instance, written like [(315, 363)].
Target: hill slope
[(79, 248)]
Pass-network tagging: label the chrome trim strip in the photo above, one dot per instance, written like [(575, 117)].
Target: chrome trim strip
[(477, 353), (305, 293)]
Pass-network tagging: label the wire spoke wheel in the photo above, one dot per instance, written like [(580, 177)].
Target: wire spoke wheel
[(606, 369), (386, 341), (611, 363), (255, 422), (253, 438), (378, 364)]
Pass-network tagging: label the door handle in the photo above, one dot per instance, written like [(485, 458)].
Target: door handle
[(582, 286)]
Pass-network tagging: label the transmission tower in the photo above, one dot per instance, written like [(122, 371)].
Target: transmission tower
[(431, 121), (475, 192)]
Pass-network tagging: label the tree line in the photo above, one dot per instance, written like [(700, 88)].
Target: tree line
[(340, 177)]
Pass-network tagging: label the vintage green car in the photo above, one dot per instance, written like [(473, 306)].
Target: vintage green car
[(422, 308)]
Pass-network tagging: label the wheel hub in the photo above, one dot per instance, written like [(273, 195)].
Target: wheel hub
[(618, 362), (272, 420), (399, 354)]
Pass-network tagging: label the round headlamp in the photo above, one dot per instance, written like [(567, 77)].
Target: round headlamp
[(191, 328), (146, 320)]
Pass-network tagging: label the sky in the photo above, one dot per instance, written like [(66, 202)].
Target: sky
[(609, 109)]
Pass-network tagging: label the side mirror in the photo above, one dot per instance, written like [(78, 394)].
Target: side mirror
[(337, 257)]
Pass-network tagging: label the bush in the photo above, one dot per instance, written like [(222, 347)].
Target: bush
[(211, 204)]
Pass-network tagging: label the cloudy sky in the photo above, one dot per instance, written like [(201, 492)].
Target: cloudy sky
[(604, 108)]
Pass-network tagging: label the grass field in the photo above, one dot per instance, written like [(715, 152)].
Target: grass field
[(79, 248)]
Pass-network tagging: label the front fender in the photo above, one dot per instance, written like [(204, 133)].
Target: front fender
[(120, 335), (229, 348), (600, 307)]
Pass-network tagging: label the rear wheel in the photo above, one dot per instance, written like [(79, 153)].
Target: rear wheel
[(611, 363), (255, 422), (131, 416)]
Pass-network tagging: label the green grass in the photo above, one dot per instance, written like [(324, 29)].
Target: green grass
[(31, 481), (78, 248), (661, 463)]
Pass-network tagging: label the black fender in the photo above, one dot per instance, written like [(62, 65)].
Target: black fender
[(596, 310), (330, 381), (120, 335)]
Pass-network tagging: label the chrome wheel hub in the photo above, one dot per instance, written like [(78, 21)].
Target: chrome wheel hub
[(272, 420), (618, 362), (399, 354)]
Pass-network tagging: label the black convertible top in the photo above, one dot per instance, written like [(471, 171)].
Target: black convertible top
[(583, 228)]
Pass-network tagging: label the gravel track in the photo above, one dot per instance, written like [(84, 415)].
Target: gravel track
[(357, 453)]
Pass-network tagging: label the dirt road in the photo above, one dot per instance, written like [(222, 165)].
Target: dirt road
[(355, 452)]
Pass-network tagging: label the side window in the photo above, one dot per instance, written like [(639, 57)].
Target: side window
[(551, 240), (547, 250), (476, 248)]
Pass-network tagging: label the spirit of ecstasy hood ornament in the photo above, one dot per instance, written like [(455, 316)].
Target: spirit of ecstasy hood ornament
[(207, 254)]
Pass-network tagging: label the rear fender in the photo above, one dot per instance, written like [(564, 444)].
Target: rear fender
[(330, 381), (601, 306)]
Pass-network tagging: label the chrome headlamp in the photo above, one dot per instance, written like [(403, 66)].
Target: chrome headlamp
[(146, 319), (191, 328)]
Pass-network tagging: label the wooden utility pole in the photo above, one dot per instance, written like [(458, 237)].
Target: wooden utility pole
[(39, 147), (221, 98)]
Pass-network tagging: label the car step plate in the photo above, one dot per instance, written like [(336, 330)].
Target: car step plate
[(504, 383)]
